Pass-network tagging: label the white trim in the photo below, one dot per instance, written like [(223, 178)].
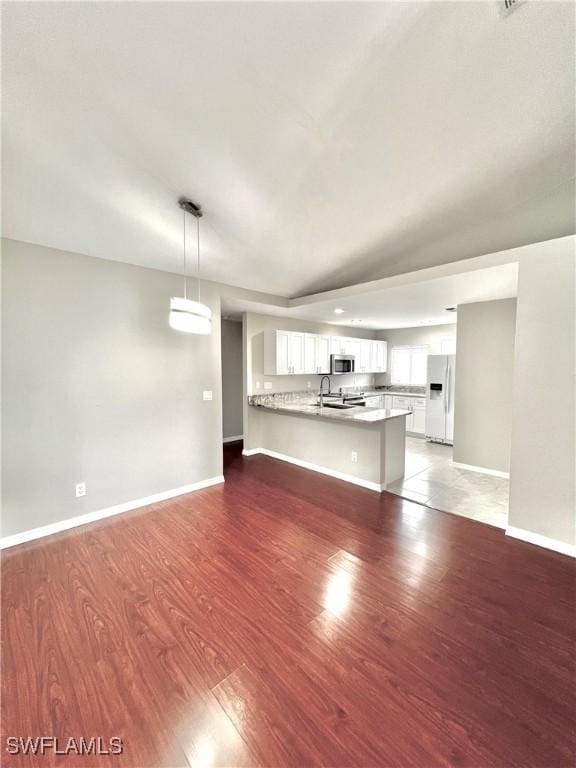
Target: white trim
[(482, 470), (100, 514), (232, 439), (317, 468), (541, 541), (251, 451)]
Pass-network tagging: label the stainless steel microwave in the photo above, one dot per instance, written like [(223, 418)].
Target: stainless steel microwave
[(342, 363)]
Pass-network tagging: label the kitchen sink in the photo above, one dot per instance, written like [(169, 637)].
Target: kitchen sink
[(340, 406)]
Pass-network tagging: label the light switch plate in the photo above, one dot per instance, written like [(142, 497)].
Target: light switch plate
[(267, 385), (354, 456), (207, 394), (257, 385)]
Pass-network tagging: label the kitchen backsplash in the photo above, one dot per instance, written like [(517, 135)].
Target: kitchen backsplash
[(295, 383), (398, 388), (307, 395)]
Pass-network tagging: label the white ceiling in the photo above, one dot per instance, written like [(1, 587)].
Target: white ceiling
[(329, 143), (418, 301)]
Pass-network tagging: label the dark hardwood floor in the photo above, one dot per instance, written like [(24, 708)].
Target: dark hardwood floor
[(286, 618)]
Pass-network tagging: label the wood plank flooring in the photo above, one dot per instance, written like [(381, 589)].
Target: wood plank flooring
[(289, 619)]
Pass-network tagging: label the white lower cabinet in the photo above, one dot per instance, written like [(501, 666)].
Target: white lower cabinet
[(403, 404), (418, 415), (416, 422)]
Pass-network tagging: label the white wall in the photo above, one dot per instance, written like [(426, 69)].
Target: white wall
[(543, 465), (483, 387), (98, 388), (430, 335), (232, 405)]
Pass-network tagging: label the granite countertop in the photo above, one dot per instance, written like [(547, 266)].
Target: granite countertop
[(359, 414)]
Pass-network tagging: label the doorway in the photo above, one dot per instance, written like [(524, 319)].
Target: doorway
[(232, 384)]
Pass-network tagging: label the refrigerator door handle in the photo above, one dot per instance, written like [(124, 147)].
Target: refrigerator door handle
[(446, 386), (448, 391)]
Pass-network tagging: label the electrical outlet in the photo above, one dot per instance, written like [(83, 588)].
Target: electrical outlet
[(354, 456), (207, 394), (80, 490), (308, 384), (267, 385)]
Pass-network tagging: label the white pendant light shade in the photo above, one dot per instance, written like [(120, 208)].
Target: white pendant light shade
[(190, 316), (187, 315)]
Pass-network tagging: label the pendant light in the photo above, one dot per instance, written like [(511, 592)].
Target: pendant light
[(187, 315)]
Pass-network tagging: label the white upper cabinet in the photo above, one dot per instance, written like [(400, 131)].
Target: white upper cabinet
[(297, 356), (364, 361), (295, 352), (310, 346), (281, 362), (337, 345), (378, 356), (322, 354), (318, 356), (284, 353), (316, 353), (352, 347)]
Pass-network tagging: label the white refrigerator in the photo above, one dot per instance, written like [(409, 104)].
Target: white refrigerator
[(440, 398)]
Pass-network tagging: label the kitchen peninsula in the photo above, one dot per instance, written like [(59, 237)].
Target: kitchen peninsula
[(364, 446)]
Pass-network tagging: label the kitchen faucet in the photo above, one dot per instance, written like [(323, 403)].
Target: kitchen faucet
[(321, 392)]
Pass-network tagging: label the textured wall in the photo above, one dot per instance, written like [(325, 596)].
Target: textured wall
[(98, 388), (483, 387)]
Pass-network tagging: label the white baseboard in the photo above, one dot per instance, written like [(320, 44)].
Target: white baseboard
[(541, 541), (100, 514), (482, 470), (316, 468), (233, 439)]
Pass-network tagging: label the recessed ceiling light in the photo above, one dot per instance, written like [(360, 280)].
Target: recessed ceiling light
[(339, 311)]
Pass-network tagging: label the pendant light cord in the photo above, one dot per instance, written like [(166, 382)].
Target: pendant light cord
[(198, 245), (184, 221), (197, 252)]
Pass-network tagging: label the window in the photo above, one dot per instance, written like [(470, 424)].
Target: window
[(408, 365), (448, 345)]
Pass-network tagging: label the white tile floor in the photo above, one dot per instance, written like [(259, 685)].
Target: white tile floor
[(431, 479)]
